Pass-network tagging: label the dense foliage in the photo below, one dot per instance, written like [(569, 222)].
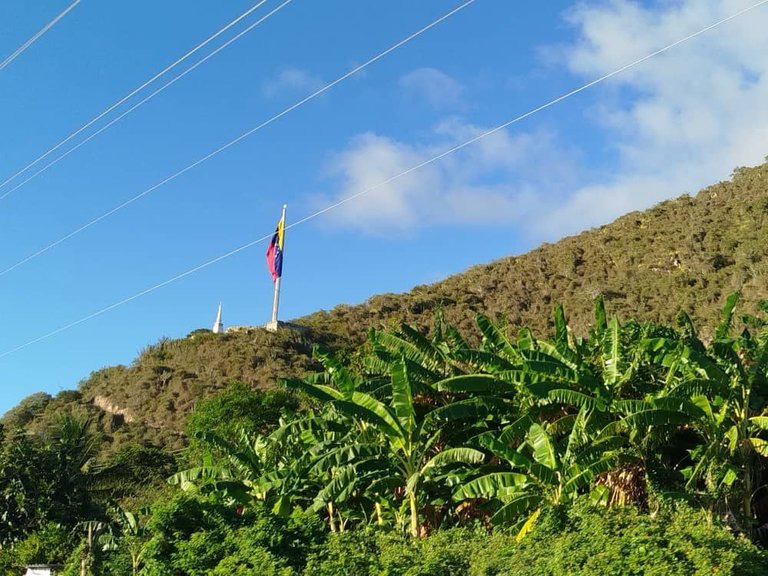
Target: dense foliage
[(639, 449), (581, 541)]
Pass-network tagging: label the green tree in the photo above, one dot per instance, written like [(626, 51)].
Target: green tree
[(240, 408), (45, 479)]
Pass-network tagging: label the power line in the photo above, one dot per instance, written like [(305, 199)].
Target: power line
[(37, 36), (127, 97), (231, 143), (383, 183), (141, 102)]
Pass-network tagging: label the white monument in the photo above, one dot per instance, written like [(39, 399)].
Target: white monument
[(218, 325)]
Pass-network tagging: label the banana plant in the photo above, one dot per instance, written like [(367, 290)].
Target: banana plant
[(409, 435), (235, 474), (428, 359), (133, 537), (728, 382), (567, 372), (269, 468), (543, 467)]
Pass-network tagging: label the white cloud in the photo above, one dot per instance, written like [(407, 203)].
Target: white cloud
[(488, 183), (680, 121), (434, 88), (291, 81)]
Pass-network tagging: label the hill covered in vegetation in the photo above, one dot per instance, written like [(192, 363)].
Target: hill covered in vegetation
[(685, 254), (469, 427)]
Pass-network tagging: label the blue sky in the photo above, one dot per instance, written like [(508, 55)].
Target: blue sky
[(669, 126)]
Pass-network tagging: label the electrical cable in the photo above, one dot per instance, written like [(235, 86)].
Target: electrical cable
[(146, 99), (231, 143), (380, 184), (37, 36), (129, 96)]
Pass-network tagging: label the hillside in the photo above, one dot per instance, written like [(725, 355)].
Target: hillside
[(684, 254), (150, 399)]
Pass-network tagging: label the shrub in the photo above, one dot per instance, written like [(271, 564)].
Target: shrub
[(379, 553), (625, 542), (248, 558), (9, 562), (238, 407), (446, 553), (196, 535), (344, 554), (51, 544)]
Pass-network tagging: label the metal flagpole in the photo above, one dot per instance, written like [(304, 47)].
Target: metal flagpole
[(277, 282)]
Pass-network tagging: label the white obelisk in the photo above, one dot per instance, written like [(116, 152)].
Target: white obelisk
[(218, 326)]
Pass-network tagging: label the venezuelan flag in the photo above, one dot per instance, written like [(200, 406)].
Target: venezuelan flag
[(275, 251)]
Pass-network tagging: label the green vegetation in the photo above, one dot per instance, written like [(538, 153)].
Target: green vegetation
[(439, 445), (582, 541), (638, 449)]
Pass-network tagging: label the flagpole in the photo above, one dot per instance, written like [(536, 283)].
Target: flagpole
[(277, 282)]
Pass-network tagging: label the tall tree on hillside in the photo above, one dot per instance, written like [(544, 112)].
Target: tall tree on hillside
[(46, 479)]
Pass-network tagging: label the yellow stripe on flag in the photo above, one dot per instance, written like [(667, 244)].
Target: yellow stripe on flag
[(280, 233)]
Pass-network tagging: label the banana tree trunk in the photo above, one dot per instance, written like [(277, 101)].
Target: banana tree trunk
[(331, 519), (415, 527), (379, 516), (748, 487), (85, 558)]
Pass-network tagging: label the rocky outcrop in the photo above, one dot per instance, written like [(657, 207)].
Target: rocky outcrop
[(104, 403)]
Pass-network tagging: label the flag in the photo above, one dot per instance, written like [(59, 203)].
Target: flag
[(275, 251)]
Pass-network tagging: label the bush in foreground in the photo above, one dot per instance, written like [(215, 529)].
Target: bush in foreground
[(582, 541), (624, 542)]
